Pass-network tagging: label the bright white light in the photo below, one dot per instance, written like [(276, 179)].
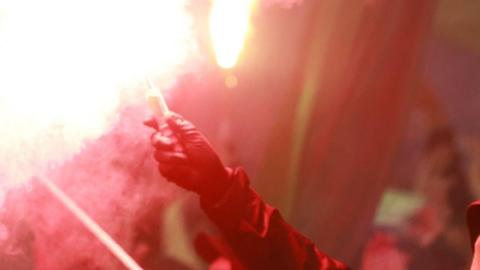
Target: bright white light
[(229, 24), (63, 64)]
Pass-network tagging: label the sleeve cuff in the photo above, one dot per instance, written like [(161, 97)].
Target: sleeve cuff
[(229, 210)]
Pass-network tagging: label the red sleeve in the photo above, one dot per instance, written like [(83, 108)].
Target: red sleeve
[(257, 233), (473, 221)]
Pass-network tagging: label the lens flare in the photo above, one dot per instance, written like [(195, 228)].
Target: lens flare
[(67, 66), (229, 25)]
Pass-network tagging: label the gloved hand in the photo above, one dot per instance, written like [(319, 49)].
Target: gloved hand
[(186, 158)]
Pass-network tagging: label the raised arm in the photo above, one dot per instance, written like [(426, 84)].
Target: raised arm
[(254, 230)]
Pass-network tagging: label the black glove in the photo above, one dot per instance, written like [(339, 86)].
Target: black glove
[(186, 158)]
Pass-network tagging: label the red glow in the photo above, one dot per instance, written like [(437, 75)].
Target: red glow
[(66, 67)]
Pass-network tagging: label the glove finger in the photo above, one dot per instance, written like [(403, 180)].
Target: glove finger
[(165, 128), (171, 157), (174, 172), (179, 125), (181, 175), (152, 123), (165, 168), (161, 142)]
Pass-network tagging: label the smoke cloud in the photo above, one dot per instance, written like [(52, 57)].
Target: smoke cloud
[(71, 109), (115, 180), (67, 67)]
